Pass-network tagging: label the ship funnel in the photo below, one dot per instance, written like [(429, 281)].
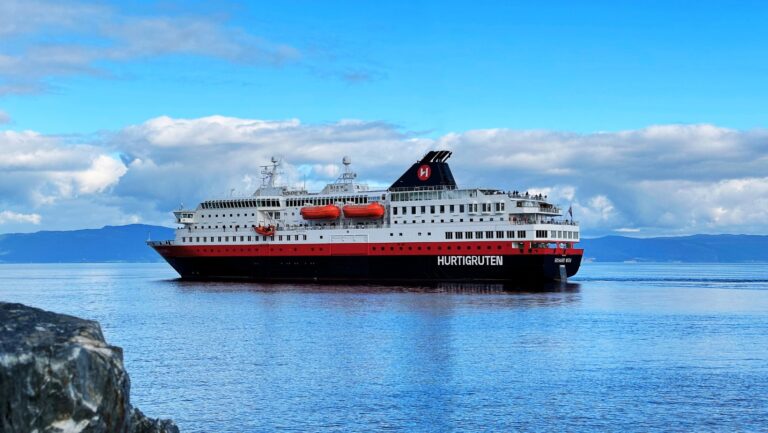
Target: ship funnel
[(431, 170)]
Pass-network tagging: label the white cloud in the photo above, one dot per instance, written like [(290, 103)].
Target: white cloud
[(39, 169), (10, 216), (669, 179)]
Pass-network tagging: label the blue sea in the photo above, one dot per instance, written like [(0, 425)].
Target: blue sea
[(625, 347)]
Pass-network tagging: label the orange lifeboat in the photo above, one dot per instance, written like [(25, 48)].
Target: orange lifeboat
[(265, 230), (370, 210), (327, 212)]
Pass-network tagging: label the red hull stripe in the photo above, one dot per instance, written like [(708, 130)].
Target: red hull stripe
[(358, 249)]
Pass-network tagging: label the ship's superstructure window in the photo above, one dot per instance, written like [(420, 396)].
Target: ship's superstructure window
[(541, 233), (449, 235), (468, 235), (459, 235), (521, 234)]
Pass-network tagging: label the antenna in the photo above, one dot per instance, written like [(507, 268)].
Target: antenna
[(348, 176)]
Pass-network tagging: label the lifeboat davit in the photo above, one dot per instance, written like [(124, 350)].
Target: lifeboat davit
[(265, 230), (370, 210), (327, 212)]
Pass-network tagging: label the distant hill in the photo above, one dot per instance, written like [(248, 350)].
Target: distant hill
[(127, 244), (107, 244), (696, 249)]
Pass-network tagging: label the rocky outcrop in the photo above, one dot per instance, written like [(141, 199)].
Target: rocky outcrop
[(57, 374)]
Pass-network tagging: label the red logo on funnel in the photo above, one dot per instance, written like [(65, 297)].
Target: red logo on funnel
[(424, 172)]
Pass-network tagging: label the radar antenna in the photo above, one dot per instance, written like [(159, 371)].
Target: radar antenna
[(348, 176), (270, 172)]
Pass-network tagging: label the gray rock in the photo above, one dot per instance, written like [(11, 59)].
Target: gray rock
[(57, 374)]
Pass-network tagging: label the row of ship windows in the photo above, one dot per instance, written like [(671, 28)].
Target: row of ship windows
[(488, 234), (322, 201), (473, 207), (461, 220), (233, 204), (510, 234), (242, 238)]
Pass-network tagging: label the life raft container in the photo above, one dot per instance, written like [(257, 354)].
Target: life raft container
[(370, 210), (327, 212), (265, 230)]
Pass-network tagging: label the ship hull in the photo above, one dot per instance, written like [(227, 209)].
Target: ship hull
[(532, 267)]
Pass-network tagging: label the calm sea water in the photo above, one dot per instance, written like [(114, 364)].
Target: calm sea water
[(629, 347)]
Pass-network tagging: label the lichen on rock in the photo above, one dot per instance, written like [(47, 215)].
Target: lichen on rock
[(58, 374)]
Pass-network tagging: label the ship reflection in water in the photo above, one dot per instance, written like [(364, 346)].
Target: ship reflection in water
[(532, 294)]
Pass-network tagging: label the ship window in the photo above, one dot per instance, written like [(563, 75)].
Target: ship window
[(448, 235), (459, 235), (442, 208), (468, 235), (401, 234), (478, 235), (249, 238), (197, 239), (264, 238), (413, 210), (183, 239), (391, 234), (219, 238), (304, 237), (423, 210), (499, 234), (242, 238), (489, 235), (394, 210), (226, 238), (280, 237), (296, 238), (432, 209), (521, 233), (461, 208)]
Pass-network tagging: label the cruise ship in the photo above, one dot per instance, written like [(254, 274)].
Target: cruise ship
[(423, 228)]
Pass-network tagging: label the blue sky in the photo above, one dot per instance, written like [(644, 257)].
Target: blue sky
[(654, 95)]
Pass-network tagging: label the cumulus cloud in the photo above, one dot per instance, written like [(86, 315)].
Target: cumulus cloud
[(638, 179), (668, 179), (10, 216), (39, 169)]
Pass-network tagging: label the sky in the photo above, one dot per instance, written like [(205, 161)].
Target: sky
[(648, 118)]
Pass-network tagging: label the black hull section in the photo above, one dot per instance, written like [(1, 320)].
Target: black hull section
[(508, 268)]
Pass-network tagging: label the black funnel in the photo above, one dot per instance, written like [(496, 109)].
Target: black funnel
[(431, 170)]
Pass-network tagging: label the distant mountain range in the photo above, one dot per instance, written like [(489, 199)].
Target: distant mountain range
[(127, 244), (107, 244)]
